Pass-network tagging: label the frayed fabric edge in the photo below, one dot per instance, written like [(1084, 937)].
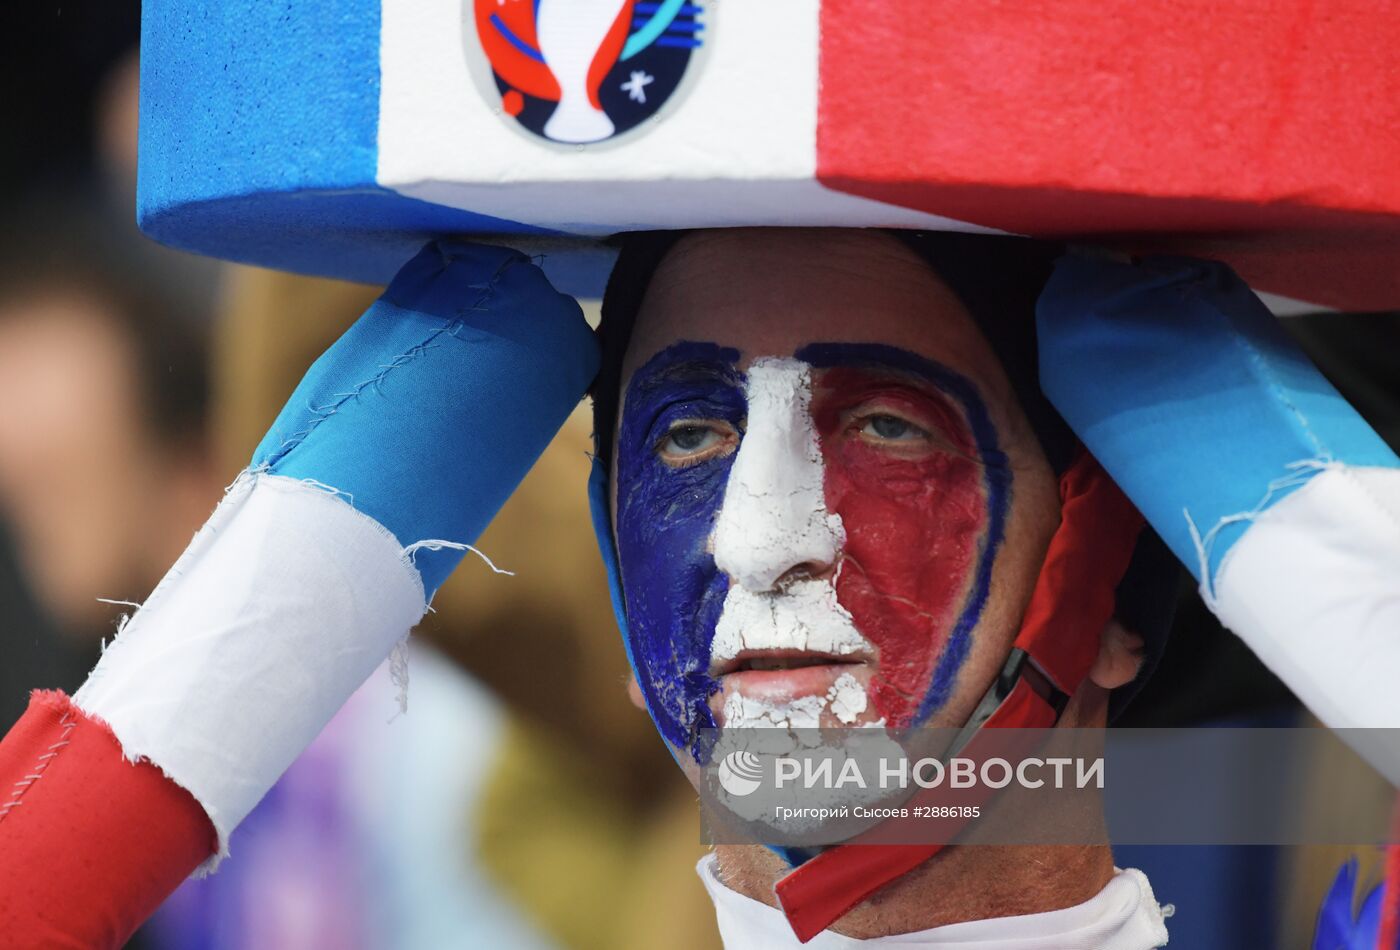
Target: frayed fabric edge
[(1298, 474), (235, 495), (1327, 550)]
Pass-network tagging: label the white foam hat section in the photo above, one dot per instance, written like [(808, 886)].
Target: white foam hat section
[(1314, 588), (283, 604), (440, 139)]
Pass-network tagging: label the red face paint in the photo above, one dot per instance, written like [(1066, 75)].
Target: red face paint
[(916, 517)]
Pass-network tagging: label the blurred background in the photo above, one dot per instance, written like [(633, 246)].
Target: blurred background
[(521, 801)]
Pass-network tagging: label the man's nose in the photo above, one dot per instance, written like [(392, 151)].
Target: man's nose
[(773, 525)]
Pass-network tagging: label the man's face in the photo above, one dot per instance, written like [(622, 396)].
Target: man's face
[(828, 509)]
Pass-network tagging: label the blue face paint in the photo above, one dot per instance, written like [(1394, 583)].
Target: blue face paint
[(671, 587)]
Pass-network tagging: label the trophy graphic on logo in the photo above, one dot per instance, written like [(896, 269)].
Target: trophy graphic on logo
[(571, 34), (583, 71)]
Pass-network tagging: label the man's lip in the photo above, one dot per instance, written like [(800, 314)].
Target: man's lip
[(782, 661), (784, 686)]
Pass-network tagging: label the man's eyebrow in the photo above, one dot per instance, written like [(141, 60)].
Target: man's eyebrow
[(952, 383), (690, 362), (878, 357)]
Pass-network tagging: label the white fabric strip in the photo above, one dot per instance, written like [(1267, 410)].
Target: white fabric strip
[(1314, 588), (1123, 916), (284, 603)]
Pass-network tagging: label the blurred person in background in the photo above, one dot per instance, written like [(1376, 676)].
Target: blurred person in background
[(104, 464)]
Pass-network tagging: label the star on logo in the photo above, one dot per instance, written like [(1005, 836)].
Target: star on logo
[(636, 86)]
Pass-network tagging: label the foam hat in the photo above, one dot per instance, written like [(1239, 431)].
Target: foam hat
[(334, 138)]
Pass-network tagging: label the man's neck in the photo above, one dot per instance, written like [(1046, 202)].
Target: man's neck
[(959, 884)]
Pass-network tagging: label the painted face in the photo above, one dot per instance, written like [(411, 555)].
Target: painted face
[(804, 538)]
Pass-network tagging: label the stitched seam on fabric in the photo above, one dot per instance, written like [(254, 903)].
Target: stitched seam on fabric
[(321, 413), (1299, 473), (68, 722), (1265, 372)]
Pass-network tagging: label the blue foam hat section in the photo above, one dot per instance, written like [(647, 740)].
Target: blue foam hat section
[(259, 140), (431, 409), (1191, 395)]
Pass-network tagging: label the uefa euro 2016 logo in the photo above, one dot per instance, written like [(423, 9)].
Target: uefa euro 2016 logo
[(579, 71)]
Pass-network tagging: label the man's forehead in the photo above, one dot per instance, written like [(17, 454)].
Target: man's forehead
[(839, 252), (707, 362), (774, 314)]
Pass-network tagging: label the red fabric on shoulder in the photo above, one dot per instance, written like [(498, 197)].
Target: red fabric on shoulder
[(1088, 555), (90, 844)]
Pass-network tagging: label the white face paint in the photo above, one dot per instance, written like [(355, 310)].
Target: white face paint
[(846, 700), (780, 547), (774, 515)]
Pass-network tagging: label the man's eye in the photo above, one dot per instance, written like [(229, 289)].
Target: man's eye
[(691, 439), (892, 429), (692, 442)]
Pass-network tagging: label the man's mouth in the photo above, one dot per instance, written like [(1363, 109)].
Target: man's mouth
[(791, 688), (776, 659), (791, 658), (782, 676)]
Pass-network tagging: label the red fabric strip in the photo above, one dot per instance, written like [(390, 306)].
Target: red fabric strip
[(90, 844), (1087, 557)]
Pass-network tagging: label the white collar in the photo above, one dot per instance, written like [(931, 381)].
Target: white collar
[(1123, 916)]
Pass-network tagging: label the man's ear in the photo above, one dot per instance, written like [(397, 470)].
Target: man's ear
[(634, 693), (1120, 657)]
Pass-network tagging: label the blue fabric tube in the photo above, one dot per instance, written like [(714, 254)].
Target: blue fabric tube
[(1190, 394), (429, 411)]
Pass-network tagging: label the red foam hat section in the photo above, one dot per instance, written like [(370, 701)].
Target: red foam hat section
[(1266, 135)]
